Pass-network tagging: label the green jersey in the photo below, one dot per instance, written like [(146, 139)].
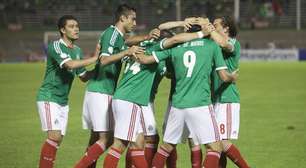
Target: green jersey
[(136, 83), (192, 62), (57, 81), (105, 78), (227, 92)]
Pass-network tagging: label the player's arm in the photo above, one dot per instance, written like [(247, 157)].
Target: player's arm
[(225, 76), (181, 38), (134, 40), (174, 24), (87, 75), (156, 57), (105, 60)]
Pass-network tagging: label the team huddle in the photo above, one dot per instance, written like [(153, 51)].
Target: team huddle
[(203, 107)]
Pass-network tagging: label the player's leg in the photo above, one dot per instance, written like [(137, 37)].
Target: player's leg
[(172, 136), (201, 121), (171, 160), (228, 119), (94, 136), (129, 129), (150, 132), (97, 116), (195, 153), (53, 120)]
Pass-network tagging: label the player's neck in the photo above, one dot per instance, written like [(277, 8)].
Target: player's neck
[(120, 27), (68, 41)]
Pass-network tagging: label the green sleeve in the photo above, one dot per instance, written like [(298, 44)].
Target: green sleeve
[(107, 42), (161, 55), (218, 59), (55, 51)]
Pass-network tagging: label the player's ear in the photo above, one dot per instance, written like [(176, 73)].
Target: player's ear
[(123, 18), (63, 30)]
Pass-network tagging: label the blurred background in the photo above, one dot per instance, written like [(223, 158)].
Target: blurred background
[(26, 26)]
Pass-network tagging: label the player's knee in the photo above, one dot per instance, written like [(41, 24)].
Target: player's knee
[(120, 144), (154, 139), (225, 144), (215, 146), (168, 147), (55, 136)]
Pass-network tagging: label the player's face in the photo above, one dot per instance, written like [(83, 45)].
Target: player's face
[(71, 30), (218, 25), (130, 22)]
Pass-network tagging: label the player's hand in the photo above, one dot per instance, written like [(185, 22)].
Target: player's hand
[(202, 21), (97, 51), (235, 75), (208, 28), (188, 22), (134, 50), (154, 34)]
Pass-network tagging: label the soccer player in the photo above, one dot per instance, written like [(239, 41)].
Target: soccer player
[(195, 149), (64, 61), (191, 101), (225, 94), (131, 96), (97, 111)]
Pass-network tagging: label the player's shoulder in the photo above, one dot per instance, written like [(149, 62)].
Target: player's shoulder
[(55, 46)]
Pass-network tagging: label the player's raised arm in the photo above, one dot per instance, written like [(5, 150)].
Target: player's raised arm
[(105, 60), (134, 40), (186, 24), (181, 38)]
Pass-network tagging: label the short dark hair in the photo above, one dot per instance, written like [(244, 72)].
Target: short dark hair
[(231, 24), (194, 28), (62, 21), (123, 9)]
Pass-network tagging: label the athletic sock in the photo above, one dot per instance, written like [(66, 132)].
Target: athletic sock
[(160, 158), (112, 158), (138, 158), (212, 159), (171, 160), (48, 154), (150, 150), (91, 155), (196, 156), (233, 153)]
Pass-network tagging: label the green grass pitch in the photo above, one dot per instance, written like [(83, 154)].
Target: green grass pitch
[(272, 129)]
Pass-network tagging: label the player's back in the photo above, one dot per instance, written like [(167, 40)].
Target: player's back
[(192, 62), (105, 79)]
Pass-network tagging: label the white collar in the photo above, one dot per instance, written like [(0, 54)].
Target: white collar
[(118, 30), (63, 42)]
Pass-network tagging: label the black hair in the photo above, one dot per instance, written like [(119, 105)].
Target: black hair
[(62, 21), (231, 24), (123, 9), (194, 28)]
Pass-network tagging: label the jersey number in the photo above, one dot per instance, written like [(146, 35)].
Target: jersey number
[(135, 68), (189, 62)]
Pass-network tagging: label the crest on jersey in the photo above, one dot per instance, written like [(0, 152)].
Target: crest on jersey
[(64, 55), (110, 50)]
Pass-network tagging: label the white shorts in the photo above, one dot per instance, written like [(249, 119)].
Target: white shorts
[(149, 120), (186, 133), (128, 121), (53, 116), (201, 120), (97, 112), (228, 118)]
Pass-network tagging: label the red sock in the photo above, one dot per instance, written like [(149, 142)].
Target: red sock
[(233, 153), (150, 150), (196, 157), (171, 160), (112, 158), (223, 160), (92, 154), (138, 158), (48, 154), (160, 157), (128, 159), (212, 159)]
